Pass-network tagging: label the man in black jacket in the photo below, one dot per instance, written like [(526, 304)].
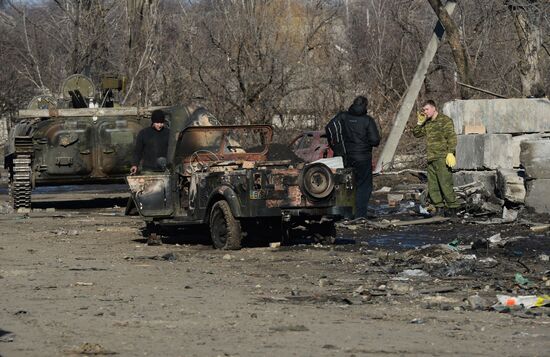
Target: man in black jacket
[(354, 134), (151, 143)]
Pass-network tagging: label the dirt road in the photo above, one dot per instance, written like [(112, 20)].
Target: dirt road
[(83, 282)]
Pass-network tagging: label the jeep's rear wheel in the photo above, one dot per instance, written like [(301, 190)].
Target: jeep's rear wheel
[(225, 230)]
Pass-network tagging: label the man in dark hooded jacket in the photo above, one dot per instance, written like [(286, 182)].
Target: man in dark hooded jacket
[(353, 134), (151, 144)]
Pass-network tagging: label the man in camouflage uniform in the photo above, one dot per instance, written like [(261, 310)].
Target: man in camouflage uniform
[(441, 146)]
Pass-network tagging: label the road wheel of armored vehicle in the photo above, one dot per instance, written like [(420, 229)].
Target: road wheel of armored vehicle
[(225, 230)]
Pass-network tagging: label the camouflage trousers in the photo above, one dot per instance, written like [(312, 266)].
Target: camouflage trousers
[(440, 184)]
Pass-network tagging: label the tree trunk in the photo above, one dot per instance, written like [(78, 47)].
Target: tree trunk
[(456, 43), (530, 44)]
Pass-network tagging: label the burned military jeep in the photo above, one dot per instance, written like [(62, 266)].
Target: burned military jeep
[(219, 176)]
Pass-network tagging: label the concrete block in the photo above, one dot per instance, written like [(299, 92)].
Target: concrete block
[(489, 151), (516, 145), (535, 158), (486, 178), (508, 116), (511, 185), (497, 151), (469, 152), (538, 194)]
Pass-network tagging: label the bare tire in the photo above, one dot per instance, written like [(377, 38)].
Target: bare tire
[(225, 230)]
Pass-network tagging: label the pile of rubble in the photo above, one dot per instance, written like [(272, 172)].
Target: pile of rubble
[(504, 149)]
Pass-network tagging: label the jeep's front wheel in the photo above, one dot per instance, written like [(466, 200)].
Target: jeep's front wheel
[(225, 230)]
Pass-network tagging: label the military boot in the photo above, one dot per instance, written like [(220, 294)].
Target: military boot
[(439, 212), (451, 212)]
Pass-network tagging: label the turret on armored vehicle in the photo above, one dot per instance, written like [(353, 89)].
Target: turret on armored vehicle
[(80, 137)]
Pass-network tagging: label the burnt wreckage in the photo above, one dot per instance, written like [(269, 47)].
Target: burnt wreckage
[(220, 176), (79, 138)]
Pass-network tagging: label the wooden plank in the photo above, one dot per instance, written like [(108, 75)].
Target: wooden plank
[(407, 223)]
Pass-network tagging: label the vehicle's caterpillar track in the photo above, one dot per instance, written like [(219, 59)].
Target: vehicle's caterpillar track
[(21, 187)]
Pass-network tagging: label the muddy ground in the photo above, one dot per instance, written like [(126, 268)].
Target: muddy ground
[(79, 280)]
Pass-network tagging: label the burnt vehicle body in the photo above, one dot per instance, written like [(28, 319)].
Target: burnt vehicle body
[(71, 140), (311, 146), (219, 176)]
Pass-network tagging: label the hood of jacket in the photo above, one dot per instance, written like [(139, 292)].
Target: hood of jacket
[(357, 109)]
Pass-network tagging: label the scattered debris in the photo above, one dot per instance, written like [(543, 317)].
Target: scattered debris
[(522, 281), (394, 199), (476, 302), (414, 273), (90, 349), (290, 328), (81, 283), (63, 232), (540, 228), (526, 302), (171, 256), (6, 336), (438, 290)]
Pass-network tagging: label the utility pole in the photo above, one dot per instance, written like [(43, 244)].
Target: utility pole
[(386, 158)]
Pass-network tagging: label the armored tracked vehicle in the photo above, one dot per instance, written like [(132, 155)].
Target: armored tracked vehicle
[(220, 177), (79, 138)]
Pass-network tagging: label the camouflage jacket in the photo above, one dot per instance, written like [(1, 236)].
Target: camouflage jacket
[(440, 136)]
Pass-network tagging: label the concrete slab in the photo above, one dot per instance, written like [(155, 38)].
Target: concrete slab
[(510, 185), (486, 178), (538, 194), (497, 151), (508, 116), (516, 145), (488, 151), (469, 152), (535, 158)]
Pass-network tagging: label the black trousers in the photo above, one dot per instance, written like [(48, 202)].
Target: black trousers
[(363, 183)]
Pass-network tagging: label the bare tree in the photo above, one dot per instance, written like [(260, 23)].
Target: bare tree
[(454, 38), (293, 63), (143, 37), (254, 58), (528, 17)]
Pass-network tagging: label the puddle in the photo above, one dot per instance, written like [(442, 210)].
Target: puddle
[(401, 240)]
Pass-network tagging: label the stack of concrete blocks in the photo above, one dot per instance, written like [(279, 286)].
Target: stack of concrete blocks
[(512, 157)]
